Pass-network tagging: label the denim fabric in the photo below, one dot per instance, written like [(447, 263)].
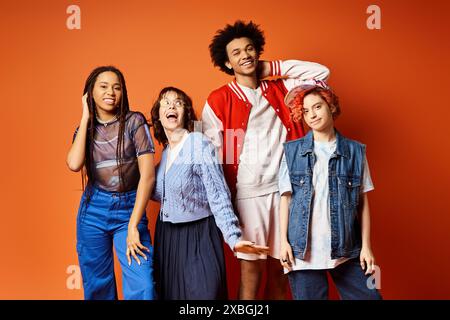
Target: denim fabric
[(102, 223), (350, 280), (345, 172)]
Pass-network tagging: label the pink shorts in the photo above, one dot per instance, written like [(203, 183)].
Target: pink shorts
[(259, 218)]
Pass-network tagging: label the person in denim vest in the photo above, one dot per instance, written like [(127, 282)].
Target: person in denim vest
[(324, 211)]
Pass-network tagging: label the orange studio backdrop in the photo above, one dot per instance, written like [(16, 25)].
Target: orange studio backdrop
[(392, 79)]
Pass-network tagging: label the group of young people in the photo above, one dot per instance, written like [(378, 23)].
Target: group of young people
[(285, 201)]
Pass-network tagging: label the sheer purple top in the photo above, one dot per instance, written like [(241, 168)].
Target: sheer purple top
[(137, 141)]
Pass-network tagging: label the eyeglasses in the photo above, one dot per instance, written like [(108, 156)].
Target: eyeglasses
[(166, 103)]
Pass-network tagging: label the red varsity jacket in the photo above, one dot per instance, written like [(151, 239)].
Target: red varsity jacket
[(231, 106)]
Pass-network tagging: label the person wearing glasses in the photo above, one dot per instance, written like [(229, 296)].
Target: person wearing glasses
[(195, 205)]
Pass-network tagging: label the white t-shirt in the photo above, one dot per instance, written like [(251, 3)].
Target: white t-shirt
[(263, 143), (259, 161), (318, 251)]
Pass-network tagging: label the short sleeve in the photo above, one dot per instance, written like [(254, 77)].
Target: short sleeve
[(140, 135), (367, 184), (284, 182)]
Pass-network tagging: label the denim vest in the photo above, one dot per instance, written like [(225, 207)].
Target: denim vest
[(345, 173)]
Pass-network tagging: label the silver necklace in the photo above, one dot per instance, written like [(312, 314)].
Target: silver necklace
[(105, 123)]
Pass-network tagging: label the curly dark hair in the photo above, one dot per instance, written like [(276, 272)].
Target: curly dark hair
[(240, 29), (188, 119)]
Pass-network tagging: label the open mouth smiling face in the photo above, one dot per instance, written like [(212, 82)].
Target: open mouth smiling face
[(171, 111)]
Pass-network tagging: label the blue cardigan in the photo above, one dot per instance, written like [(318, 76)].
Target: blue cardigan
[(194, 188)]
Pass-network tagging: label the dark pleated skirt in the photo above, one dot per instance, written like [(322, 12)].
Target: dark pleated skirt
[(189, 261)]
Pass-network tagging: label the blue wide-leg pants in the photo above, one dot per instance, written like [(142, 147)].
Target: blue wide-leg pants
[(102, 223)]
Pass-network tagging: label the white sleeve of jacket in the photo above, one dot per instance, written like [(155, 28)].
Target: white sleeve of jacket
[(296, 71), (212, 126)]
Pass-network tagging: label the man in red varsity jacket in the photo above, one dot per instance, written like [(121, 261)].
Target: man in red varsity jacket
[(248, 121)]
